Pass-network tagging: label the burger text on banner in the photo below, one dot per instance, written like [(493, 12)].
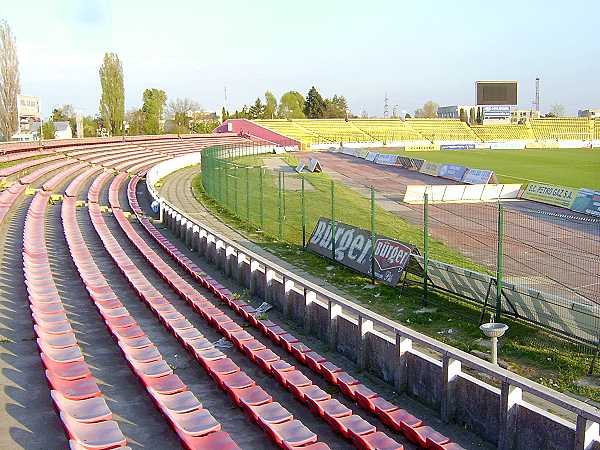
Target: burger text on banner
[(353, 249)]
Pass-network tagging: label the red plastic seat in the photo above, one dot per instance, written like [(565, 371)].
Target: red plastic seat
[(200, 344), (286, 340), (152, 369), (251, 396), (294, 379), (315, 446), (60, 355), (278, 369), (376, 441), (66, 371), (169, 384), (180, 402), (237, 380), (220, 367), (298, 350), (249, 347), (424, 436), (352, 426), (365, 397), (127, 332), (265, 358), (77, 389), (142, 355), (330, 371), (213, 441), (292, 433), (330, 409), (239, 337), (273, 333), (198, 422), (93, 409), (270, 413), (313, 393), (100, 435), (451, 446), (347, 384), (399, 419), (56, 340), (382, 406), (314, 361)]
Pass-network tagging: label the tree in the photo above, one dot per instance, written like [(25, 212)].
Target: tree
[(314, 106), (407, 116), (153, 110), (336, 108), (224, 114), (472, 115), (557, 110), (181, 110), (48, 130), (112, 100), (136, 118), (429, 110), (291, 106), (270, 106), (463, 115), (9, 82), (257, 110), (90, 126), (65, 113)]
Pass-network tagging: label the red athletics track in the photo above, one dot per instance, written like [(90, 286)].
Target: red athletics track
[(544, 252)]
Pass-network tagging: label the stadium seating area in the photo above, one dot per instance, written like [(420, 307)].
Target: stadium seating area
[(370, 423), (334, 130), (443, 129), (561, 128), (491, 133), (291, 129), (388, 130), (596, 128)]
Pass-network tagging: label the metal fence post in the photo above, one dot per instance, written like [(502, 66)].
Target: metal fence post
[(235, 189), (260, 189), (226, 176), (283, 191), (372, 235), (499, 263), (425, 245), (247, 195), (279, 215), (302, 211), (332, 220)]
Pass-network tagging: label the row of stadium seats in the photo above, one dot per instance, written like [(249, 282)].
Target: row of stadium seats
[(491, 133), (418, 130), (301, 386), (561, 128)]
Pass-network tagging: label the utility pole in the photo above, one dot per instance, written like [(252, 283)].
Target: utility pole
[(386, 107)]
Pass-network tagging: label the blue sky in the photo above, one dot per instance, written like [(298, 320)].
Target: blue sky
[(414, 50)]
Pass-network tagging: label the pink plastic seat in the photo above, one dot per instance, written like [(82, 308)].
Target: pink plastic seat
[(153, 369), (93, 409), (314, 361), (169, 384), (286, 340), (292, 433), (251, 396), (330, 371), (198, 422), (220, 367), (100, 435), (298, 350), (265, 358), (55, 340), (365, 397), (249, 347), (425, 436), (77, 389), (66, 371), (330, 409), (213, 441), (347, 384), (399, 420), (60, 355), (270, 413), (313, 393), (74, 445), (142, 355), (353, 426), (377, 441), (180, 402)]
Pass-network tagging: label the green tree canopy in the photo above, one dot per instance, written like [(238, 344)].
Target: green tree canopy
[(336, 107), (48, 130), (153, 109), (90, 126), (112, 100), (428, 111), (270, 106), (314, 106), (136, 118), (291, 106), (257, 110)]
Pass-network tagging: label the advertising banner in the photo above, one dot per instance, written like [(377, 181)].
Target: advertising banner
[(405, 162), (550, 194), (457, 146), (353, 249), (587, 202), (417, 163), (386, 159), (314, 165), (452, 172), (429, 168), (371, 156), (477, 176)]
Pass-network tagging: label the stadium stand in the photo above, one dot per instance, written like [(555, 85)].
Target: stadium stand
[(334, 130), (492, 133), (561, 129), (596, 128), (388, 130), (443, 130), (291, 129)]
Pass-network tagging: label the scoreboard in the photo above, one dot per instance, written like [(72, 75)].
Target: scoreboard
[(497, 93)]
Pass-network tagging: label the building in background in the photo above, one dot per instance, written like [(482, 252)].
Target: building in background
[(466, 112), (589, 113), (62, 130), (29, 112)]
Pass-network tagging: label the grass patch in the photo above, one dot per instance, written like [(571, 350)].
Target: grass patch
[(529, 351), (575, 168)]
